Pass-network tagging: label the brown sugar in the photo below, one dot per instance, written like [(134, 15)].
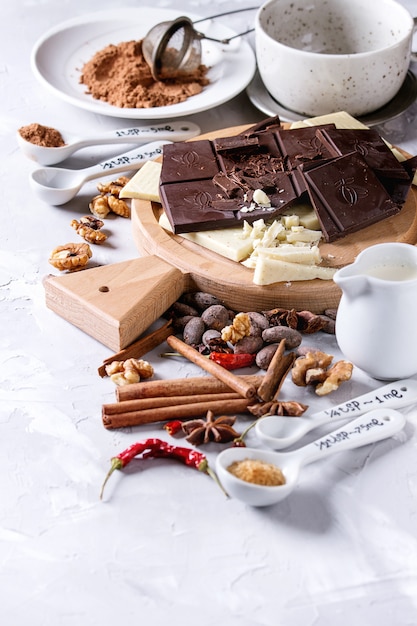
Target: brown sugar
[(119, 75), (257, 472), (42, 135)]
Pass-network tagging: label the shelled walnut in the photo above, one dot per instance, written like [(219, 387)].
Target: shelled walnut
[(129, 371), (89, 229), (71, 256), (239, 328), (313, 368), (108, 201)]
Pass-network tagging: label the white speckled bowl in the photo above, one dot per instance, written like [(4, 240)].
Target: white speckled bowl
[(320, 56)]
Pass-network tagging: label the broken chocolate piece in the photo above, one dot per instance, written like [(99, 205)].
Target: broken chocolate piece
[(302, 145), (367, 143), (227, 184), (399, 188), (266, 125)]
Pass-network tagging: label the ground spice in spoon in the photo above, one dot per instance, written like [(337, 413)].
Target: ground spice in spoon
[(42, 135), (119, 75)]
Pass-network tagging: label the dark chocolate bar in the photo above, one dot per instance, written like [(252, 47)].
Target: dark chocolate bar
[(351, 178)]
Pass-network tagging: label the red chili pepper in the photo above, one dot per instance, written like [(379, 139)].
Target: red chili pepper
[(173, 427), (157, 448), (231, 361)]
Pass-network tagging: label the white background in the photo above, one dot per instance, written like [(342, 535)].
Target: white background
[(164, 546)]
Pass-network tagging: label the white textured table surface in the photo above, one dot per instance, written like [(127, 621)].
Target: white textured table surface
[(164, 546)]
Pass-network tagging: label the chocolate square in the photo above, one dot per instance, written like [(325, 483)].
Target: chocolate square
[(189, 206), (351, 194), (188, 160)]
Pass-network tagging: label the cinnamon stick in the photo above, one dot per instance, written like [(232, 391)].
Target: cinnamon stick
[(179, 387), (246, 390), (154, 403), (184, 411), (138, 348), (284, 368), (276, 373)]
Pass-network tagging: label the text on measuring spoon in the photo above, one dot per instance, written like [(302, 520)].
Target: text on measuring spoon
[(353, 406)]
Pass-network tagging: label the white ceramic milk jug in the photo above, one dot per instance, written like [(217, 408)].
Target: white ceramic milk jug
[(376, 324)]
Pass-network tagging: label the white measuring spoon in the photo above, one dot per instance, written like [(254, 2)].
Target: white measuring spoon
[(172, 131), (278, 432), (56, 185), (369, 428)]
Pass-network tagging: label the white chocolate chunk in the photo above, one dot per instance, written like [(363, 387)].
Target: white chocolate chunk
[(341, 119), (227, 242), (292, 254), (305, 235), (307, 216), (261, 198), (268, 271), (144, 184)]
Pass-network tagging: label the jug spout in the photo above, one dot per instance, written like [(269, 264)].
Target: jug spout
[(352, 285)]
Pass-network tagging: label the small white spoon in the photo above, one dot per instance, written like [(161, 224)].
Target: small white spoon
[(371, 427), (278, 432), (56, 185), (171, 131)]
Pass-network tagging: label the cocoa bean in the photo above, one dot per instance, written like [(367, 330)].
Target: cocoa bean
[(209, 335), (193, 331), (180, 322), (248, 345), (275, 334), (201, 300), (329, 324), (216, 316), (180, 309), (264, 356), (258, 323)]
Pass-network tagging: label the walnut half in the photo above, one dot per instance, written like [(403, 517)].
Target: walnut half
[(89, 229), (129, 371), (239, 328), (314, 369), (71, 256)]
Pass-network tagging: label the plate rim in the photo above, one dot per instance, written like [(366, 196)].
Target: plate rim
[(203, 103), (272, 107)]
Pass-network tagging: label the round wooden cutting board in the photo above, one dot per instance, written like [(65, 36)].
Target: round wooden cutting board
[(233, 283)]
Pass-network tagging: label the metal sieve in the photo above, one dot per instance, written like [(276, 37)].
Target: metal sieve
[(174, 47)]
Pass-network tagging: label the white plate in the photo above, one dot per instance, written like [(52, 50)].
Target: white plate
[(58, 57), (262, 99)]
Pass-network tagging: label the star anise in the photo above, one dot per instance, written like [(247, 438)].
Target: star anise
[(204, 430)]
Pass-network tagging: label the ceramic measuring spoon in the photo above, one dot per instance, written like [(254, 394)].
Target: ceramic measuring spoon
[(172, 131), (55, 185), (278, 432), (369, 428)]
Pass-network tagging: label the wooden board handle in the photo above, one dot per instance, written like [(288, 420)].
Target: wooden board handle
[(116, 303)]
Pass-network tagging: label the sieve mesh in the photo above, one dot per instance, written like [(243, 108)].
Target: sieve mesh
[(172, 48)]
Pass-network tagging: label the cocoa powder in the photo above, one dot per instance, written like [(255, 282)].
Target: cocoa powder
[(120, 76), (42, 135)]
